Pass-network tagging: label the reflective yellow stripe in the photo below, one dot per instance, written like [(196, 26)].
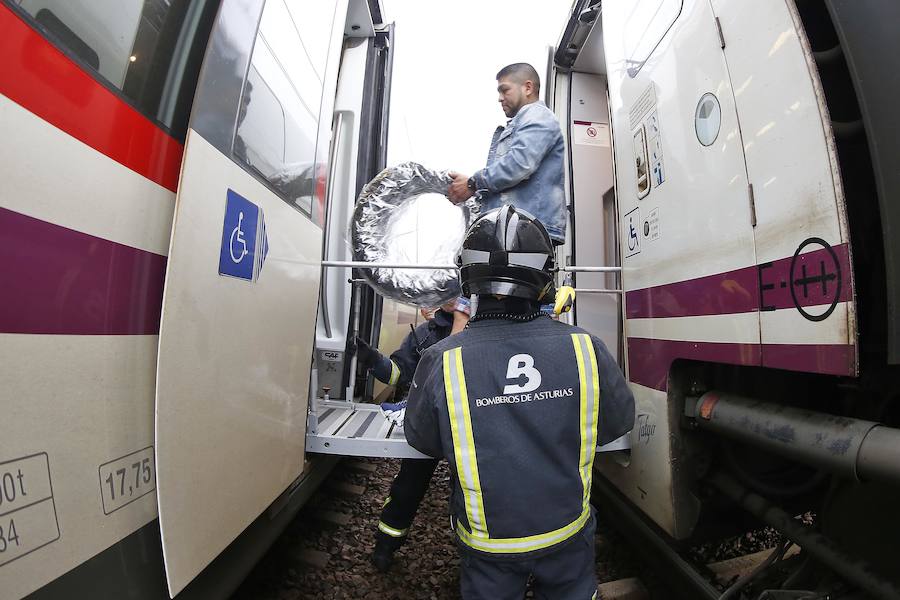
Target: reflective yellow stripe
[(390, 530), (395, 374), (386, 502), (463, 441), (523, 544), (467, 464), (470, 437), (589, 384)]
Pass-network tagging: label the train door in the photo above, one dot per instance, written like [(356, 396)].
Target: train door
[(807, 313), (686, 240), (338, 423), (242, 285), (580, 102)]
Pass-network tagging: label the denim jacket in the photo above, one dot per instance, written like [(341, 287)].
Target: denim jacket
[(525, 168)]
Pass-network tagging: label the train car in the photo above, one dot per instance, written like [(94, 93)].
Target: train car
[(737, 160), (174, 172)]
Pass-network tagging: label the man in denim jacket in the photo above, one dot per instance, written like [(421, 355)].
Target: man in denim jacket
[(525, 161)]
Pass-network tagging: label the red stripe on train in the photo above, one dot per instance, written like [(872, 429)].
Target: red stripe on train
[(42, 79), (61, 281)]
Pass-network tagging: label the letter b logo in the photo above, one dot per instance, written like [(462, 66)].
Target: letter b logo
[(519, 365)]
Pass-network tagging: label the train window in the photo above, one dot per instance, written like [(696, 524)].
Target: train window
[(131, 45), (278, 117), (645, 28), (641, 162)]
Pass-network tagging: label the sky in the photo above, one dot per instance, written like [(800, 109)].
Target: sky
[(443, 100)]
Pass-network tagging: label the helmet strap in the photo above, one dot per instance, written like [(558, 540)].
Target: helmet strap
[(506, 305)]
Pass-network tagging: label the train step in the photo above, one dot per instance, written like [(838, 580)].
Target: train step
[(354, 429), (359, 429)]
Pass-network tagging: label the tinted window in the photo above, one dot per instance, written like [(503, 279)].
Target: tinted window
[(130, 44), (278, 117)]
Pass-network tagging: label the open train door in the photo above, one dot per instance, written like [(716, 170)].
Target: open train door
[(242, 286)]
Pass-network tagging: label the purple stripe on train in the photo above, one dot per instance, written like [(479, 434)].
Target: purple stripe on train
[(818, 275), (649, 360), (60, 281)]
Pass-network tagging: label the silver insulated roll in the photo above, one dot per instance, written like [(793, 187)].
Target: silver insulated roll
[(402, 216)]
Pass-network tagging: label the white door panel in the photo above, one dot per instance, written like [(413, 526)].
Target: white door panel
[(333, 325), (233, 365), (594, 235), (792, 164)]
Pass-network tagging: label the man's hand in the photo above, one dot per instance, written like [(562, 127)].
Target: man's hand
[(459, 188)]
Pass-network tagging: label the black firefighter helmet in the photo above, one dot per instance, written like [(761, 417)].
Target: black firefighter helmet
[(507, 252)]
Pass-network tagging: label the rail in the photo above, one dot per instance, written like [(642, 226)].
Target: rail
[(353, 264)]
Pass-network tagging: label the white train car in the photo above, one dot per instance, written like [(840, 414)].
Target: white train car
[(162, 212), (737, 160)]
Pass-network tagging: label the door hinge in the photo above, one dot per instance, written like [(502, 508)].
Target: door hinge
[(721, 35), (752, 205)]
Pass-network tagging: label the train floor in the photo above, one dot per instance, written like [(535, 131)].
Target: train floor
[(324, 553)]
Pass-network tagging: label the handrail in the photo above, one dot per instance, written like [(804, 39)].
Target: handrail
[(352, 264), (575, 269), (597, 291)]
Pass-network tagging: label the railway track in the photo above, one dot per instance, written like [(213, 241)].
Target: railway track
[(324, 552)]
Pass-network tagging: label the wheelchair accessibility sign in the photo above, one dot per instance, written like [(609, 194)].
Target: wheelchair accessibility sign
[(631, 232), (244, 240)]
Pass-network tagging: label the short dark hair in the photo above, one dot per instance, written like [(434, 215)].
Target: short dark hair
[(521, 72)]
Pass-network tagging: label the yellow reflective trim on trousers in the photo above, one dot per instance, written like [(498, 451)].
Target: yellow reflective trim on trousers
[(463, 443), (390, 530), (386, 502), (395, 374), (523, 544)]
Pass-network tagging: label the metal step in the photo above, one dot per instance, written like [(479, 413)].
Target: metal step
[(353, 429)]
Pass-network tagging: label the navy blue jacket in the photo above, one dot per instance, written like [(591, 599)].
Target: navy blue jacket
[(518, 410), (399, 368)]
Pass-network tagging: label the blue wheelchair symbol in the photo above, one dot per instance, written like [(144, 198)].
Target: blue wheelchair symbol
[(237, 257)]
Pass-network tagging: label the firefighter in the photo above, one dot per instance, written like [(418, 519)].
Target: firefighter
[(517, 404), (411, 482)]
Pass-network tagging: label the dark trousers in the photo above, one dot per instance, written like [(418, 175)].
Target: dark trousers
[(566, 574), (400, 508)]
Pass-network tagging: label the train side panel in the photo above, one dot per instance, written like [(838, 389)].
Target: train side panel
[(683, 213), (733, 228), (85, 225)]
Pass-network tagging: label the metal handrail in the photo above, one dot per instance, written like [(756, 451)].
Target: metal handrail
[(591, 269), (352, 264), (597, 291)]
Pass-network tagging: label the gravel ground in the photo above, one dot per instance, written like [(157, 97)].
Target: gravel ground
[(425, 568)]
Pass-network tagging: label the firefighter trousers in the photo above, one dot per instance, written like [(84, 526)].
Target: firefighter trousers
[(400, 508), (566, 574)]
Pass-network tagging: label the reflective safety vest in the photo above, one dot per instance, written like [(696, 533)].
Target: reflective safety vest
[(518, 410)]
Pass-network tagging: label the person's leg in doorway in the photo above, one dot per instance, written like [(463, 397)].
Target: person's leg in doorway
[(400, 508)]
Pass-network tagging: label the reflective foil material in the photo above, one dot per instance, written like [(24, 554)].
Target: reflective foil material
[(403, 216)]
